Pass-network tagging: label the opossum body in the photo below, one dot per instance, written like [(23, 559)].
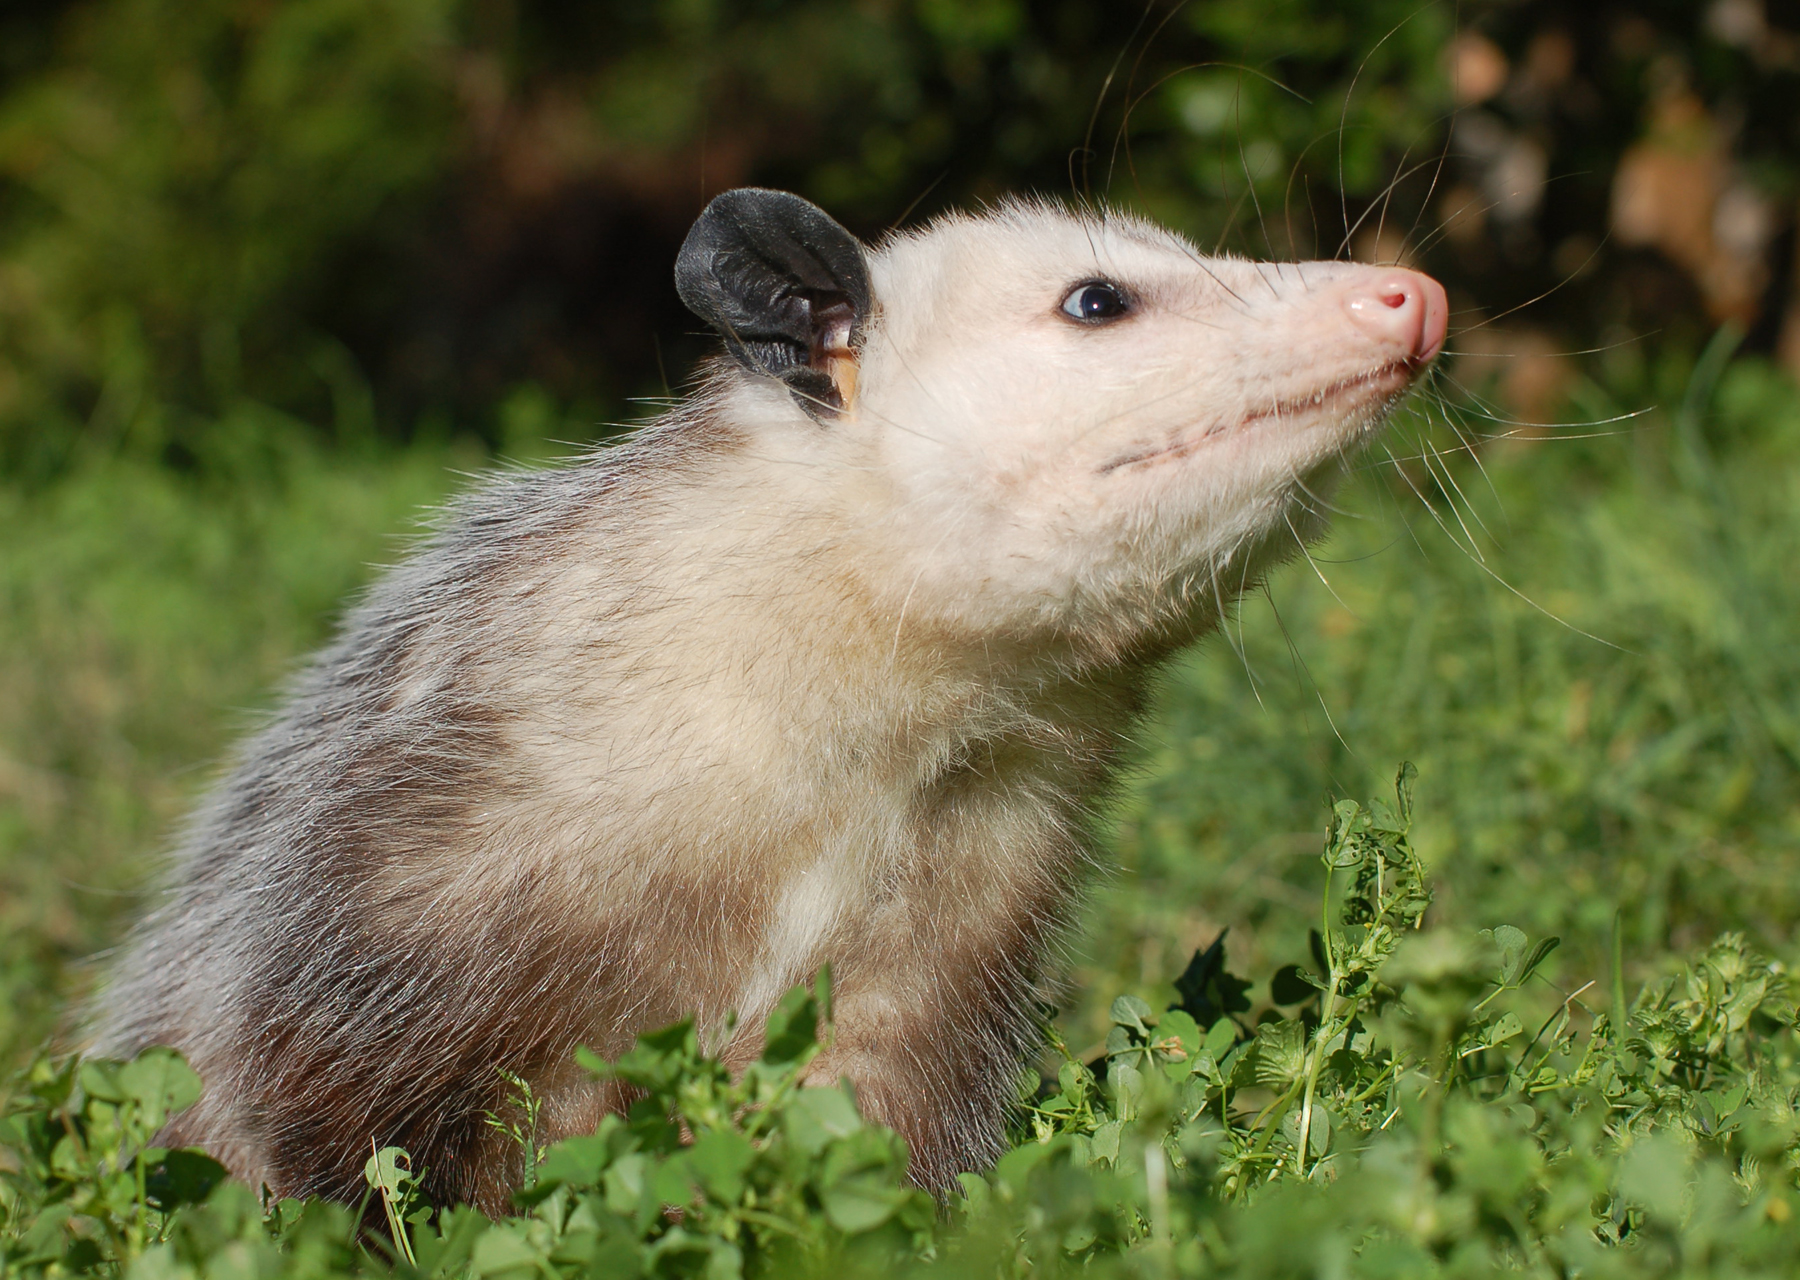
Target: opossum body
[(829, 664)]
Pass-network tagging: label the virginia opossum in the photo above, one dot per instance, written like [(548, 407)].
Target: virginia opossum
[(828, 664)]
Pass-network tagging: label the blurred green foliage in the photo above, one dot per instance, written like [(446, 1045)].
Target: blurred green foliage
[(386, 216), (172, 191), (144, 615)]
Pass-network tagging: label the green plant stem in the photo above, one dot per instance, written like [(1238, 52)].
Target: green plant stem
[(1271, 1116), (1325, 1033), (1618, 980), (143, 1206)]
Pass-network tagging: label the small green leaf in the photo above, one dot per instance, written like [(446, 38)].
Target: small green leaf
[(1177, 1027), (862, 1203), (502, 1248), (1078, 1237), (44, 1237), (174, 1178), (161, 1083), (1511, 943), (1280, 1052), (1384, 818), (1538, 955), (67, 1160), (1505, 1027), (1074, 1080), (626, 1184), (1342, 850), (1745, 1002), (818, 1117), (1318, 1133), (792, 1028), (99, 1078), (1404, 780), (1131, 1012), (1106, 1140), (1219, 1039), (578, 1161), (1127, 1084), (719, 1160), (389, 1171), (1014, 1168), (673, 1181)]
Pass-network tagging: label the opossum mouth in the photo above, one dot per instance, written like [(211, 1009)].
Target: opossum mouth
[(1373, 391)]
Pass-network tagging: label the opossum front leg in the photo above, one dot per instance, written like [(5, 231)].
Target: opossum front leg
[(933, 1054)]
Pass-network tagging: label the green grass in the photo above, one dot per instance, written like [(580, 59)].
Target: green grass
[(146, 618), (1650, 776), (1655, 770)]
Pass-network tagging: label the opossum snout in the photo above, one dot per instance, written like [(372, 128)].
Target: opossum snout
[(1404, 308)]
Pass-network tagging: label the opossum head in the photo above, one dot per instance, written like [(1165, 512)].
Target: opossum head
[(1041, 418)]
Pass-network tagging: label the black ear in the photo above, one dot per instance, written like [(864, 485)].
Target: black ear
[(786, 286)]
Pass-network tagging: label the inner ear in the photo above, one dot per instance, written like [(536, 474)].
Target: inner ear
[(787, 288)]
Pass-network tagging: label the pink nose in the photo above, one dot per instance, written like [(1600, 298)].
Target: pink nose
[(1401, 307)]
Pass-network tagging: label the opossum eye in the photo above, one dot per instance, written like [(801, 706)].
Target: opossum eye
[(1096, 302)]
